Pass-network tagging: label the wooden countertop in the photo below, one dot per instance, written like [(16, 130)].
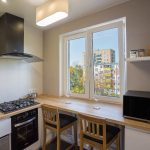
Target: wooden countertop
[(3, 116), (110, 112)]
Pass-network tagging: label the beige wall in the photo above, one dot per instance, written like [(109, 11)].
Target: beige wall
[(18, 77), (137, 13)]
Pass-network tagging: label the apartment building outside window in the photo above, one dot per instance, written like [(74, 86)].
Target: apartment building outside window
[(94, 62)]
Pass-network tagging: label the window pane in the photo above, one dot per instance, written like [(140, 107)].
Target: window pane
[(106, 63), (76, 49)]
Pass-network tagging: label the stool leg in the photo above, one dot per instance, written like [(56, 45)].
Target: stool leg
[(81, 141), (75, 135), (118, 142), (44, 139), (91, 148), (58, 140)]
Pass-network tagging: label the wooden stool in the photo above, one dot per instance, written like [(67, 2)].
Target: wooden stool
[(96, 133), (58, 122)]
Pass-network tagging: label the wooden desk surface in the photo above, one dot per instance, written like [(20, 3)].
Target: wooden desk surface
[(110, 112)]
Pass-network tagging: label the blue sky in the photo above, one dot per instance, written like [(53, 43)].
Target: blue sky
[(101, 40)]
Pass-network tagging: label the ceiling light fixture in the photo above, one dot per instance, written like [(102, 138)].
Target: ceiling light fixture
[(51, 12), (4, 1)]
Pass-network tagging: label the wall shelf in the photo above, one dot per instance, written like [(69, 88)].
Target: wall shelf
[(138, 59)]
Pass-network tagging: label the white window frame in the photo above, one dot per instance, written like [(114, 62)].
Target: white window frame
[(120, 26), (87, 33), (66, 67)]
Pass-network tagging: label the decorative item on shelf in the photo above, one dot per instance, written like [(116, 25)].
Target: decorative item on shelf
[(141, 52), (148, 51), (137, 53), (133, 53)]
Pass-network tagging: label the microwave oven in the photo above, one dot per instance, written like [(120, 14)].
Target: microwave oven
[(136, 105)]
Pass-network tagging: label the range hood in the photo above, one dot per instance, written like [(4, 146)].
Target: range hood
[(12, 39)]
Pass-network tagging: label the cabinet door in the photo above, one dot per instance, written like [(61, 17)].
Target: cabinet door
[(136, 139), (4, 143)]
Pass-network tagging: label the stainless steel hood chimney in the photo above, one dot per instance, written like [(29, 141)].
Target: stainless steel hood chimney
[(12, 39)]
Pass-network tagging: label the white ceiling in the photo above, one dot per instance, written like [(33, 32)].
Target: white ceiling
[(77, 8)]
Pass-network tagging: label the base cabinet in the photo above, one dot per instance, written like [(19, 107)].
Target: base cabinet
[(136, 139), (5, 143)]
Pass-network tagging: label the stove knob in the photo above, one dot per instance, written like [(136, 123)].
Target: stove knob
[(21, 105), (4, 109), (25, 105)]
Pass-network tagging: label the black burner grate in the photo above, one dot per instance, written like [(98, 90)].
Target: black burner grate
[(7, 107)]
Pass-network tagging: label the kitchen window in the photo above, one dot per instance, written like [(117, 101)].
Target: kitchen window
[(94, 64)]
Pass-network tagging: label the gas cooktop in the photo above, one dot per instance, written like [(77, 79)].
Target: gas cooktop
[(11, 106)]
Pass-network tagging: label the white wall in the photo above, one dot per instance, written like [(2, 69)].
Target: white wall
[(18, 77), (137, 13)]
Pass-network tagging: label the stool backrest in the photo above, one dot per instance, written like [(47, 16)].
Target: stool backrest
[(93, 127), (50, 115)]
